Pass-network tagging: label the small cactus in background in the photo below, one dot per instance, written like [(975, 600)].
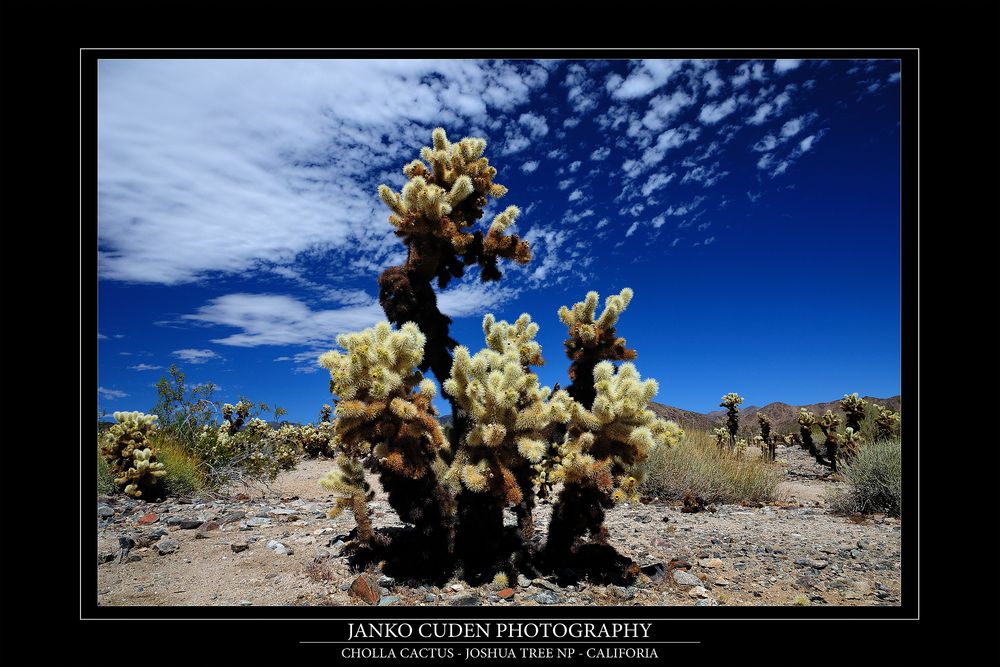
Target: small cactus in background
[(236, 415), (731, 402), (794, 440), (765, 434), (721, 435), (886, 423), (829, 423), (325, 413), (850, 443), (806, 421), (854, 409), (348, 479), (131, 457), (593, 340)]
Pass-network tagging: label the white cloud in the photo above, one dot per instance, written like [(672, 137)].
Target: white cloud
[(600, 153), (529, 166), (571, 122), (761, 114), (713, 82), (110, 394), (576, 195), (573, 218), (894, 77), (194, 356), (565, 184), (791, 128), (709, 240), (145, 367), (288, 152), (655, 182), (101, 336), (713, 113), (645, 77), (807, 143), (707, 176), (783, 65), (535, 123), (573, 166), (631, 230), (515, 143), (767, 143), (672, 138), (663, 108)]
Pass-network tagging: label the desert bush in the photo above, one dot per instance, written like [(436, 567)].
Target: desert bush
[(105, 480), (253, 454), (132, 461), (874, 477), (184, 470), (697, 465)]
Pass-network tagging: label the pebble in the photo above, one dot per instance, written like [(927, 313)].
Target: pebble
[(465, 601), (245, 603), (279, 548), (362, 589), (146, 519), (698, 592), (546, 597), (105, 511), (810, 562), (258, 521), (523, 581), (506, 593), (237, 547), (387, 600), (711, 562), (167, 547), (430, 597), (707, 602), (685, 578)]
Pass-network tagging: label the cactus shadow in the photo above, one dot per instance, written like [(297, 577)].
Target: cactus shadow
[(406, 554), (594, 562)]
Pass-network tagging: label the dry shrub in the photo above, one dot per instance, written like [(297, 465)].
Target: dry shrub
[(874, 480), (696, 465)]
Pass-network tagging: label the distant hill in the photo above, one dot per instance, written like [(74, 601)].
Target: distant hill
[(782, 415)]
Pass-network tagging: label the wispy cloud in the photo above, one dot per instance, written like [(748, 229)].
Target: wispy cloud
[(145, 367), (195, 356), (530, 166), (785, 65), (110, 394)]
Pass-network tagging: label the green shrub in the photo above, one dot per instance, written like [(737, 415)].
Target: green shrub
[(697, 465), (105, 480), (874, 480)]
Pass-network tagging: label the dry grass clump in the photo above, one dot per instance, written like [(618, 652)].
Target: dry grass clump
[(875, 479), (697, 465)]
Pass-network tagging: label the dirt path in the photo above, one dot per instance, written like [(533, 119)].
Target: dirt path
[(792, 551)]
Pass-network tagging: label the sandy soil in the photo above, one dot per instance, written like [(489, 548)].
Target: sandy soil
[(791, 551)]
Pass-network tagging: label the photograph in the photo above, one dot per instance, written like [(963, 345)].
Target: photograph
[(498, 332)]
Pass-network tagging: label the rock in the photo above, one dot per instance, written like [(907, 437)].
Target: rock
[(654, 571), (245, 603), (363, 589), (711, 563), (237, 547), (546, 597), (708, 602), (722, 582), (386, 581), (622, 593), (465, 601), (279, 548), (134, 558), (864, 543), (523, 581), (387, 600), (698, 592), (456, 587), (208, 526), (105, 557), (231, 517), (678, 564), (430, 597), (685, 578), (105, 511), (545, 583), (259, 521), (505, 594), (147, 519), (321, 555), (167, 547), (809, 562)]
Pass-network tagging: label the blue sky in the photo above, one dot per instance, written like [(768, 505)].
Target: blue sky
[(753, 206)]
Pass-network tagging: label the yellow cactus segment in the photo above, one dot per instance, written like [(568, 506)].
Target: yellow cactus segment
[(125, 446)]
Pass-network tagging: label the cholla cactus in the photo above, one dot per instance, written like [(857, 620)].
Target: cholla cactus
[(131, 457), (593, 340), (886, 422), (509, 413), (384, 411), (721, 434), (829, 423), (806, 421), (434, 216), (348, 478), (761, 444), (601, 453), (316, 439), (765, 434), (849, 444), (236, 415), (731, 402), (325, 413), (854, 409), (740, 447)]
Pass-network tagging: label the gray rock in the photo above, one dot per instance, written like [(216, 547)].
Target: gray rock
[(105, 511), (279, 548), (167, 547), (545, 583), (387, 600), (707, 602), (523, 581), (430, 597), (237, 547), (698, 592), (685, 578), (231, 517), (546, 597), (134, 558), (386, 581), (810, 562), (105, 557), (321, 555), (245, 603), (189, 524), (465, 601), (259, 521)]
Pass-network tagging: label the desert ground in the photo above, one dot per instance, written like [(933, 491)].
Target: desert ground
[(277, 547)]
